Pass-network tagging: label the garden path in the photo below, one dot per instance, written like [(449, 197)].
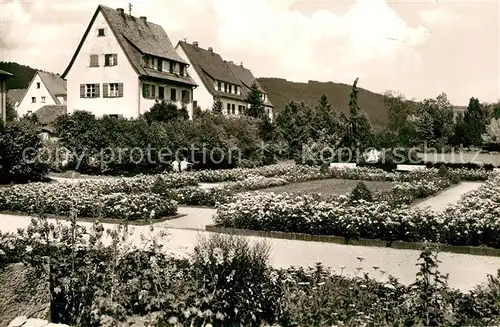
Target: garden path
[(442, 200), (465, 271)]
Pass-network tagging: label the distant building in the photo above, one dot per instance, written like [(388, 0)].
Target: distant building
[(14, 96), (217, 78), (458, 111), (44, 89), (123, 64), (3, 94)]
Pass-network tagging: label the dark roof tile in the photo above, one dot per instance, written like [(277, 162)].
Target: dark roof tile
[(55, 84)]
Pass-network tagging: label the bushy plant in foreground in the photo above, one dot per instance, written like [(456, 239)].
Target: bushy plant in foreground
[(361, 192), (99, 278)]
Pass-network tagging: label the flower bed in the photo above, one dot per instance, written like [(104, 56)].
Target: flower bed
[(128, 199), (361, 219)]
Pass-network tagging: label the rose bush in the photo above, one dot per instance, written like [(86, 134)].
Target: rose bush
[(373, 220)]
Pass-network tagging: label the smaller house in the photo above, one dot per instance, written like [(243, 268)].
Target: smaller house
[(458, 111), (44, 89), (14, 96), (46, 116), (3, 94)]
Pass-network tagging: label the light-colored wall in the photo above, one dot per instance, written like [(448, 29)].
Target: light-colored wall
[(82, 73), (3, 99), (62, 99), (146, 104), (26, 105), (200, 94)]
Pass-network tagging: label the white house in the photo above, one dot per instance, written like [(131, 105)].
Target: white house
[(123, 64), (44, 89), (217, 78)]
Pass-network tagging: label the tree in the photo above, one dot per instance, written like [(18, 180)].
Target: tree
[(474, 122), (294, 126), (437, 113), (492, 133), (256, 104), (217, 106), (11, 112), (163, 111), (325, 118), (359, 129), (401, 129)]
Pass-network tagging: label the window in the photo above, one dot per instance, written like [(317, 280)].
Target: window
[(161, 92), (43, 99), (233, 107), (228, 108), (110, 59), (160, 64), (148, 90), (89, 90), (33, 99), (112, 90), (38, 85), (94, 60), (185, 96), (181, 70), (230, 89), (172, 67), (240, 109), (100, 32), (225, 87), (173, 94), (219, 86)]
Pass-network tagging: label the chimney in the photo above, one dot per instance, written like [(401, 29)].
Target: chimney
[(120, 10), (210, 49), (195, 43), (144, 18)]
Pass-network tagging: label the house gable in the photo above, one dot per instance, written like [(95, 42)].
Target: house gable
[(38, 91)]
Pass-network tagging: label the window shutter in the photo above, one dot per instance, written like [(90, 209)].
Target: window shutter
[(97, 89), (120, 89), (115, 59), (153, 89), (82, 90), (105, 92)]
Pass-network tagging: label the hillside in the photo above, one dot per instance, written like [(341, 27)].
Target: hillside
[(282, 91), (22, 74)]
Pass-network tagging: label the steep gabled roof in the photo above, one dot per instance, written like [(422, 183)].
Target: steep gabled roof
[(211, 68), (247, 79), (48, 114), (54, 84), (136, 37)]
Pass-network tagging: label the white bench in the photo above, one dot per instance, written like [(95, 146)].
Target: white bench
[(410, 167), (342, 165)]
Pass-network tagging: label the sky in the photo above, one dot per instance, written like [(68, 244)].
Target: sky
[(418, 48)]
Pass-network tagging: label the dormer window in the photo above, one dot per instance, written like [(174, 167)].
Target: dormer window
[(219, 86), (181, 70), (172, 67)]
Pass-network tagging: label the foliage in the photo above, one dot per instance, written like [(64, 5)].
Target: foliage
[(255, 102), (361, 192), (492, 132), (22, 75), (100, 277), (474, 121), (21, 150), (10, 112), (217, 106), (164, 111)]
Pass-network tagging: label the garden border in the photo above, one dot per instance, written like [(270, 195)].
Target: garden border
[(471, 250), (93, 219)]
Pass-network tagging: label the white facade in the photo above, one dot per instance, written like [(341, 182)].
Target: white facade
[(129, 101), (36, 96), (81, 73)]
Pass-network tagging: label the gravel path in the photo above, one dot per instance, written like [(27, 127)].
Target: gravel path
[(465, 271), (442, 200)]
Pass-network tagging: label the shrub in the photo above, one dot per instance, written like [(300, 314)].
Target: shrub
[(361, 192), (20, 145), (226, 266)]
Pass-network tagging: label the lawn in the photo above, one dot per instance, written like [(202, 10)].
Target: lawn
[(329, 187)]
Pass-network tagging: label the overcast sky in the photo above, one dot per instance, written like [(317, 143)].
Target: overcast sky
[(420, 48)]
